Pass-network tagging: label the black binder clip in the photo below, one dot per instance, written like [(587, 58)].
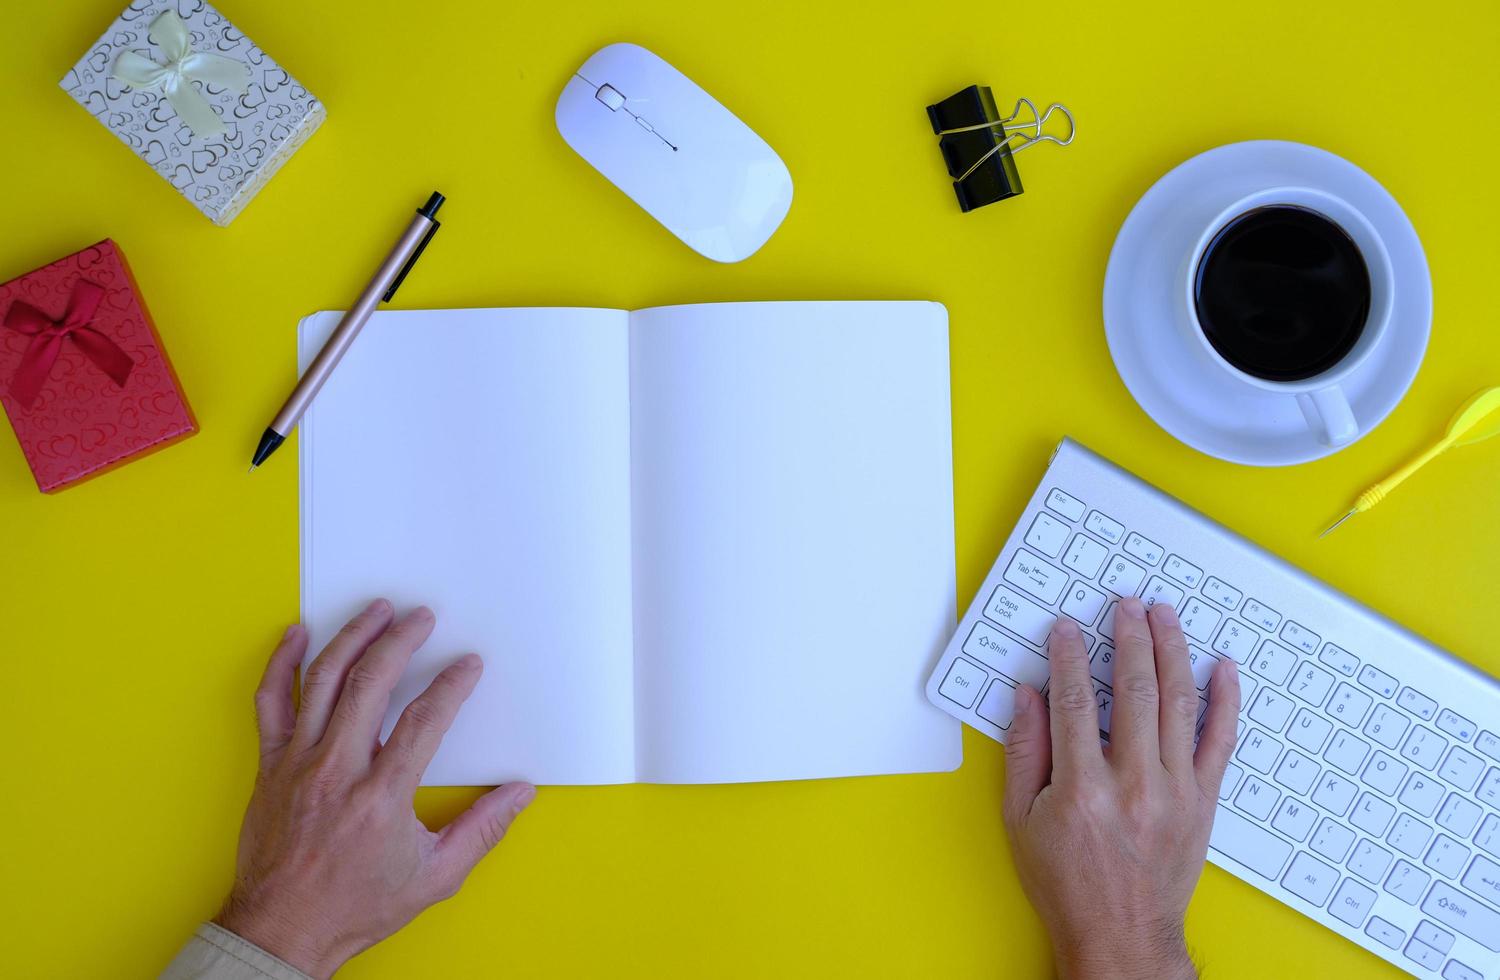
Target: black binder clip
[(980, 147)]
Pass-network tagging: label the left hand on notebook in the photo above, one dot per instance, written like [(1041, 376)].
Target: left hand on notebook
[(332, 857), (1110, 842)]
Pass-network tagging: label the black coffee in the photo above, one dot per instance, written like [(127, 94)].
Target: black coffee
[(1282, 293)]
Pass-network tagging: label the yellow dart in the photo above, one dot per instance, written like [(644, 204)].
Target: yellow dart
[(1475, 422)]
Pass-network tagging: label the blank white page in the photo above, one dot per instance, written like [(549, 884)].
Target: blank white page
[(794, 558), (478, 461)]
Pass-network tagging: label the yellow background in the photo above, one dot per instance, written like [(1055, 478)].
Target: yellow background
[(137, 609)]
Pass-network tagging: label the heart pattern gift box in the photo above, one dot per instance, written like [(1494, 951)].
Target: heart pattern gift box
[(84, 378)]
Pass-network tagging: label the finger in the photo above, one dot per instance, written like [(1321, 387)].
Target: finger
[(1133, 733), (420, 729), (1179, 692), (1219, 729), (275, 715), (1074, 713), (325, 676), (1028, 755), (476, 831), (367, 687)]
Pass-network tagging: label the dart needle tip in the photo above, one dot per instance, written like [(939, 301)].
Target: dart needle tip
[(1335, 525)]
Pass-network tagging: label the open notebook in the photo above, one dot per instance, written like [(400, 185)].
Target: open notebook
[(693, 544)]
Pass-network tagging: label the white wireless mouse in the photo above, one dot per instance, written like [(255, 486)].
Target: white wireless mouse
[(675, 151)]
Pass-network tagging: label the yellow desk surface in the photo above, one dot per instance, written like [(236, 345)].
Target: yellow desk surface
[(138, 608)]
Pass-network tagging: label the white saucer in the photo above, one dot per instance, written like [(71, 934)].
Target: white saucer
[(1162, 369)]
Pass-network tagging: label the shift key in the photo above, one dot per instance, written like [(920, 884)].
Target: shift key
[(1465, 914), (1006, 656)]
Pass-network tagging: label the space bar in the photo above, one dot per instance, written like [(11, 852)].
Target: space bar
[(1249, 844)]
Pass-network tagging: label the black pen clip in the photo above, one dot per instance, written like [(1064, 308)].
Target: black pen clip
[(429, 211)]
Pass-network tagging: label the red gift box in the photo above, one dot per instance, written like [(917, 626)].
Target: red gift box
[(83, 375)]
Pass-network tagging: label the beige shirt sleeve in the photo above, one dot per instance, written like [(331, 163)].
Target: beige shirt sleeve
[(218, 954)]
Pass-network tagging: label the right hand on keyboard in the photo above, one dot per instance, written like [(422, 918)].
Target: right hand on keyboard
[(1110, 842)]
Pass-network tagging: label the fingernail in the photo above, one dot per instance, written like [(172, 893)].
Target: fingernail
[(524, 797), (378, 606), (422, 612), (1133, 608), (471, 661), (1164, 614), (1065, 628), (1023, 698), (290, 631)]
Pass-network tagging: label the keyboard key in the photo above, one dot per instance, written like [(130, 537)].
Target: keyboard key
[(1309, 731), (1104, 700), (1297, 773), (1220, 593), (1295, 819), (1455, 724), (1271, 709), (1386, 726), (1105, 527), (1346, 751), (1312, 684), (1369, 861), (1462, 770), (1334, 793), (1202, 665), (1083, 603), (1122, 577), (1198, 619), (1260, 615), (1259, 751), (1423, 955), (1257, 798), (1106, 625), (1310, 879), (1333, 840), (1489, 744), (1459, 815), (1417, 703), (1459, 971), (1378, 681), (1065, 504), (1350, 705), (1409, 835), (1488, 837), (1160, 590), (1047, 535), (1143, 548), (1183, 571), (1103, 664), (1464, 914), (1352, 902), (1248, 843), (1384, 773), (1446, 856), (1021, 616), (963, 683), (1407, 882), (1272, 662), (1433, 936), (1006, 656), (1489, 790), (1085, 556), (1422, 794), (1232, 774), (1483, 879), (1299, 637), (1372, 815), (1030, 574), (1340, 660), (998, 706), (1423, 747), (1383, 932)]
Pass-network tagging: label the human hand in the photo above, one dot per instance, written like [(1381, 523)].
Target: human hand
[(332, 858), (1110, 842)]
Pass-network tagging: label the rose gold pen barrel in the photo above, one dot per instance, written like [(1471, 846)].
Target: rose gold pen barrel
[(380, 289)]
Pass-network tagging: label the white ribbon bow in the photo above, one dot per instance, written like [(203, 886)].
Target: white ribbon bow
[(183, 67)]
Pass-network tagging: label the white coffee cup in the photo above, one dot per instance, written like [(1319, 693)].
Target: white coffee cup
[(1321, 398)]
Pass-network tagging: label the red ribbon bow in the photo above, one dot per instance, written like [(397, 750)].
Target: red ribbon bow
[(48, 336)]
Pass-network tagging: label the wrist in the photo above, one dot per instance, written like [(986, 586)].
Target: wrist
[(1105, 955), (289, 937)]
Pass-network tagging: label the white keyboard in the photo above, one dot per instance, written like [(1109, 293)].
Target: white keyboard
[(1365, 789)]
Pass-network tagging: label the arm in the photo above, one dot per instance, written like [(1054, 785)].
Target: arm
[(1110, 842), (332, 858)]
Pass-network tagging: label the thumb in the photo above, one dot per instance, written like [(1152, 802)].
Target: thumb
[(476, 831), (1028, 754)]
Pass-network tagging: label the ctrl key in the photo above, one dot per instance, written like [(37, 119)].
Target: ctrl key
[(963, 683)]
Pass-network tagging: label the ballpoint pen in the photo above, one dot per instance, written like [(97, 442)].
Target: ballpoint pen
[(381, 289)]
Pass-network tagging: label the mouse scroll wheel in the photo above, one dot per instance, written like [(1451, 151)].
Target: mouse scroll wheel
[(610, 96)]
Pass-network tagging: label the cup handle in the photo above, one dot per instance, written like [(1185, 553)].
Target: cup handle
[(1328, 414)]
